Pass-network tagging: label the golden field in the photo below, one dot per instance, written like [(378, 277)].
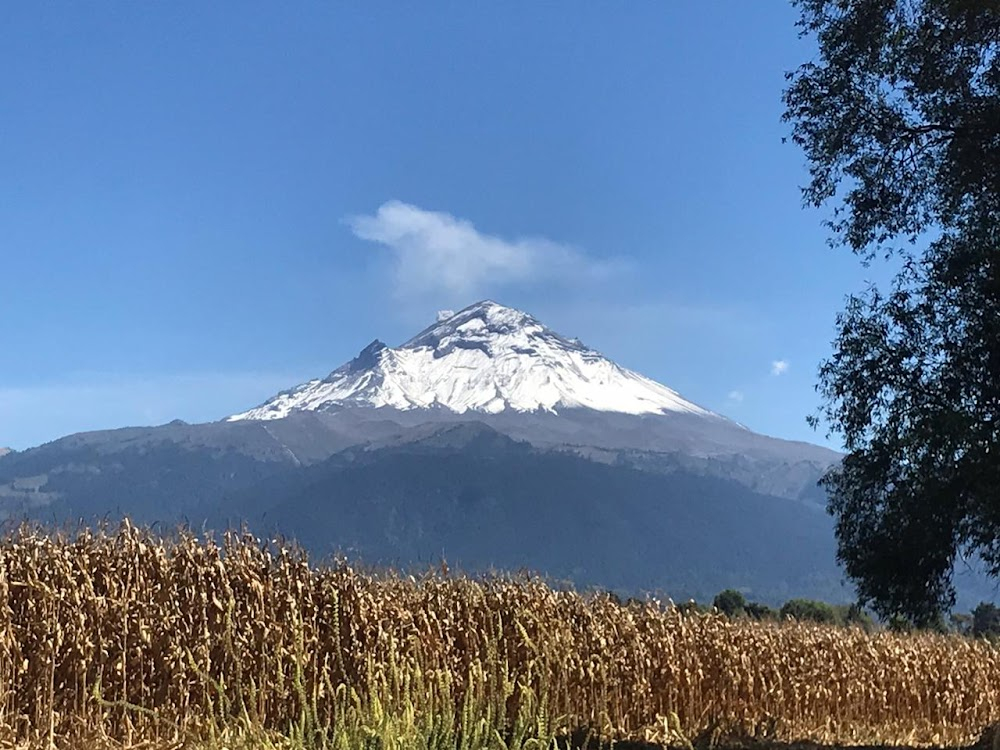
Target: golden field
[(125, 638)]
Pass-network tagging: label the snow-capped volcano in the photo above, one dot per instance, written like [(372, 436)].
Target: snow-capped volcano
[(486, 358)]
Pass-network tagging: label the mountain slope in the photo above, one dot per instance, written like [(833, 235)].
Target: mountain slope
[(479, 499)]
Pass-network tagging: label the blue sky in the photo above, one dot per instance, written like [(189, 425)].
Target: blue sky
[(202, 203)]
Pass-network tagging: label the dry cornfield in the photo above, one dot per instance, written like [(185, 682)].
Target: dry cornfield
[(132, 638)]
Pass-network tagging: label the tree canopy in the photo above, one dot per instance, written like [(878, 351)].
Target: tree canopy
[(899, 117), (730, 603)]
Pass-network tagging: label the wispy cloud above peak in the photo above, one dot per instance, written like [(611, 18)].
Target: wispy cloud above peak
[(779, 367), (438, 253)]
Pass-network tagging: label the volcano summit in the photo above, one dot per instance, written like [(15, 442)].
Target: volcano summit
[(486, 358)]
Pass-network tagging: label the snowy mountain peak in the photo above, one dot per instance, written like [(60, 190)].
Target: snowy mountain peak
[(486, 358), (484, 316), (489, 327)]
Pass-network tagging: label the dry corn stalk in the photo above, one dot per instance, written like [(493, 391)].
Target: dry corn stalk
[(136, 638)]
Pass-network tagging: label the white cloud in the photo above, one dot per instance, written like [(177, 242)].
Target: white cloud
[(435, 252), (779, 367), (736, 396)]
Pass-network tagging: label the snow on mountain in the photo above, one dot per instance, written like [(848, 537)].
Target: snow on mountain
[(486, 358)]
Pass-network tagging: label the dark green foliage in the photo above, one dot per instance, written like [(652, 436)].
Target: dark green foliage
[(899, 624), (937, 624), (758, 611), (986, 620), (730, 602), (855, 614), (808, 610), (903, 624), (691, 607), (899, 117)]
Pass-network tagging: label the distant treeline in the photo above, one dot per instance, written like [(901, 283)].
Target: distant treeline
[(982, 622)]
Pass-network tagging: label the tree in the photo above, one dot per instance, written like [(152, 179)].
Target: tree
[(986, 620), (758, 611), (856, 615), (730, 602), (807, 610), (899, 118)]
